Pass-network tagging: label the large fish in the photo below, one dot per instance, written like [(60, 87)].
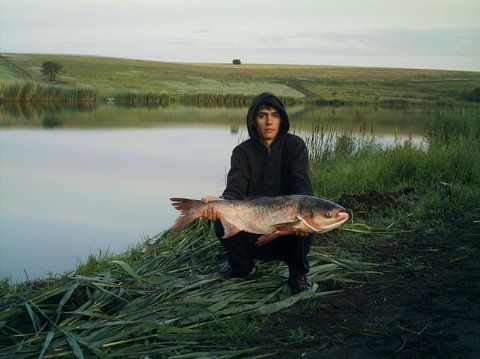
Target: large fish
[(269, 216)]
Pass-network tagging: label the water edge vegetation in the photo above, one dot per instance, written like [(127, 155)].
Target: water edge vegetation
[(28, 92)]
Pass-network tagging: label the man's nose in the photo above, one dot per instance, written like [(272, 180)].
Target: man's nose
[(269, 118)]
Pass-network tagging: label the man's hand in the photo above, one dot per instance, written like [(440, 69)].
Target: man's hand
[(210, 214)]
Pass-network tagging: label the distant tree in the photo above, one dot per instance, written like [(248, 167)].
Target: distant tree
[(51, 69), (236, 62)]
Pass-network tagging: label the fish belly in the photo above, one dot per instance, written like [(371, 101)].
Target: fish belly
[(256, 220)]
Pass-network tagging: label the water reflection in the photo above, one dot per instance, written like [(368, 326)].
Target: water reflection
[(16, 114), (75, 181), (51, 121), (65, 193), (380, 120)]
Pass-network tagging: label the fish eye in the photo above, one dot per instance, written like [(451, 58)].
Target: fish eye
[(328, 214)]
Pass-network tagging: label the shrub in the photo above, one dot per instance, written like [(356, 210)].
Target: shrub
[(51, 69)]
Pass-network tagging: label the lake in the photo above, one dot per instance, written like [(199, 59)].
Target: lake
[(76, 180)]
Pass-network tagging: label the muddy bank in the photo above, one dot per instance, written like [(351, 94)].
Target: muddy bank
[(426, 304)]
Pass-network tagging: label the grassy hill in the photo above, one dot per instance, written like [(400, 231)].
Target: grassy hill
[(112, 76)]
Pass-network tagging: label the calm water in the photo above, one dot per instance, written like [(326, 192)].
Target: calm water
[(75, 181)]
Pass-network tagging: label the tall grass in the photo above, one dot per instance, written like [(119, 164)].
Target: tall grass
[(206, 99), (347, 164), (35, 92), (144, 98)]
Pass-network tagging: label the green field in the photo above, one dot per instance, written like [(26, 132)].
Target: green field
[(113, 76)]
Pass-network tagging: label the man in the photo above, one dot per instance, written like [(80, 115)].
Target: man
[(272, 162)]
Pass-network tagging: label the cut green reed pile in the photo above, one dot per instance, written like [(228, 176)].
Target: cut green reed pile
[(160, 299), (27, 91)]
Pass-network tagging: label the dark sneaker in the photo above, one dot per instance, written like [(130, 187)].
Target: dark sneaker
[(227, 274), (299, 284)]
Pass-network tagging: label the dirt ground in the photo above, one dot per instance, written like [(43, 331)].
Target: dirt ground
[(426, 304)]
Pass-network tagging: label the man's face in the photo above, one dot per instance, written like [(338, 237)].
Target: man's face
[(267, 123)]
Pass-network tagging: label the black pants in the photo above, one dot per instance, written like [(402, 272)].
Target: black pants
[(242, 250)]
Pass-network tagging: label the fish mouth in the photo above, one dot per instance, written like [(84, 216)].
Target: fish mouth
[(343, 214), (342, 218), (331, 226)]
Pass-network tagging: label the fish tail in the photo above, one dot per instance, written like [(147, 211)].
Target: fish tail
[(188, 212)]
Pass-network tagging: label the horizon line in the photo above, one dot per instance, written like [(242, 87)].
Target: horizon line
[(243, 63)]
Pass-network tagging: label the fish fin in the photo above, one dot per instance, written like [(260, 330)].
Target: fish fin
[(287, 226), (264, 239), (229, 228), (188, 212), (281, 229)]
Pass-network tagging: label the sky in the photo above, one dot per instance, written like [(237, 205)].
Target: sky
[(435, 34)]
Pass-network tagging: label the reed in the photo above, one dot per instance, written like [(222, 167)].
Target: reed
[(27, 91), (144, 98), (348, 164), (159, 299), (208, 99)]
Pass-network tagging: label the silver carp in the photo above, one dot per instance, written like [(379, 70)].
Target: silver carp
[(269, 216)]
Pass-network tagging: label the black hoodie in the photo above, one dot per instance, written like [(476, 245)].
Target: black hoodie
[(260, 171)]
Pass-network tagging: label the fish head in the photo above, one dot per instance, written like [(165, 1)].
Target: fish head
[(322, 215)]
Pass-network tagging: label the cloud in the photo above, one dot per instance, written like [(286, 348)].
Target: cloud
[(201, 30), (401, 42), (394, 42), (216, 31)]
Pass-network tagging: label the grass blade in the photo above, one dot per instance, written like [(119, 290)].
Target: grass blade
[(33, 317), (46, 343), (72, 341), (125, 266)]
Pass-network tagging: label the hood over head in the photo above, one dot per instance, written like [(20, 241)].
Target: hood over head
[(267, 98)]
